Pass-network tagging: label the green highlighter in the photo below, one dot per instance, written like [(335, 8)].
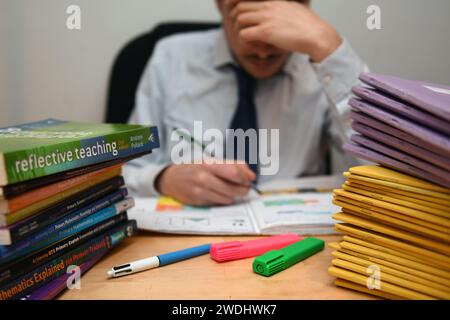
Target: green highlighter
[(275, 261)]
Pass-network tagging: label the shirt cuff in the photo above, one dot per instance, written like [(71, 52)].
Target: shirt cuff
[(141, 180), (339, 72)]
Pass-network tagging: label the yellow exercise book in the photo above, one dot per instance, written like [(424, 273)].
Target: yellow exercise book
[(443, 212), (403, 235), (356, 287), (355, 206), (398, 223), (393, 219), (430, 273), (394, 252), (402, 195), (368, 203), (360, 179), (379, 214), (386, 287), (381, 173), (437, 259), (385, 278)]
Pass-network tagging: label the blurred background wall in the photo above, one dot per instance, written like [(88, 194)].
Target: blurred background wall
[(47, 70)]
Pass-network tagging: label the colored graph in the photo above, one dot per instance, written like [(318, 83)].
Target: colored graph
[(289, 202), (165, 204)]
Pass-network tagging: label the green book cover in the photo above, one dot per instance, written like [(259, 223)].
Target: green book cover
[(38, 149)]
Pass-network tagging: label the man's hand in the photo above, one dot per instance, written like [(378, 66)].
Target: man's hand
[(206, 184), (287, 25)]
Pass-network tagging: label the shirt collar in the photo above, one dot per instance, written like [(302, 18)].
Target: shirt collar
[(223, 54)]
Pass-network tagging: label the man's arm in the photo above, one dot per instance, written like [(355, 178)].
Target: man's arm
[(141, 173), (194, 184), (337, 74)]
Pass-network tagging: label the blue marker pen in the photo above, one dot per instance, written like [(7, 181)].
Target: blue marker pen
[(157, 261)]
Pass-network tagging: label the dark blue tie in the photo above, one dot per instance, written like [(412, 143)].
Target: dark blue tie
[(245, 116)]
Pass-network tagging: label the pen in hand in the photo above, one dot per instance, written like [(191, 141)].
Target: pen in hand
[(188, 138)]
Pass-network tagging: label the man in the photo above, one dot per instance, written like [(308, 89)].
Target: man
[(302, 72)]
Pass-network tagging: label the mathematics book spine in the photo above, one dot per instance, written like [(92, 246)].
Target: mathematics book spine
[(13, 190), (34, 223), (51, 270), (16, 216), (9, 236), (55, 287), (67, 146), (9, 253), (16, 268), (28, 198)]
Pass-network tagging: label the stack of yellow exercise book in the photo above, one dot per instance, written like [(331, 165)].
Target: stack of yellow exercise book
[(396, 230)]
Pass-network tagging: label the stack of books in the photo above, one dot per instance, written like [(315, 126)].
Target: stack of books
[(404, 125), (395, 217), (63, 201)]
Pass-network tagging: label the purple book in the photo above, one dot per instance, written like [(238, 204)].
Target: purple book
[(401, 156), (430, 97), (440, 141), (374, 123), (407, 110), (58, 285), (402, 145), (370, 155)]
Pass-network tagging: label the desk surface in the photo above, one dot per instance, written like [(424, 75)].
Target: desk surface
[(202, 278)]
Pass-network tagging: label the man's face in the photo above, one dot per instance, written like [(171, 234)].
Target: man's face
[(258, 59)]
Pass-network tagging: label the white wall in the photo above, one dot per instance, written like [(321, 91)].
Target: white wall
[(49, 71)]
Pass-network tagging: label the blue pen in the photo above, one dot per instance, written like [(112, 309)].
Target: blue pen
[(157, 261)]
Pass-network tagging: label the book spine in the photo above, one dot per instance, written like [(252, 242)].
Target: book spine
[(33, 224), (10, 191), (58, 285), (33, 260), (64, 221), (55, 287), (39, 194), (3, 173), (8, 253), (33, 209), (57, 267), (38, 162)]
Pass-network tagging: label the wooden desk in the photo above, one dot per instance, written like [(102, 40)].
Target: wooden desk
[(202, 278)]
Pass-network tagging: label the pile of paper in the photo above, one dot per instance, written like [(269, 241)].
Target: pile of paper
[(397, 238), (396, 221)]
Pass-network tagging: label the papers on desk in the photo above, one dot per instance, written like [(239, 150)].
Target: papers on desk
[(302, 213)]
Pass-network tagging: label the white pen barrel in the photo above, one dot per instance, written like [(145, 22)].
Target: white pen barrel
[(145, 264)]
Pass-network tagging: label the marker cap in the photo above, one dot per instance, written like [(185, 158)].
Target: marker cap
[(275, 261)]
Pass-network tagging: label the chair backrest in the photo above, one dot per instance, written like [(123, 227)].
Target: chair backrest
[(130, 63)]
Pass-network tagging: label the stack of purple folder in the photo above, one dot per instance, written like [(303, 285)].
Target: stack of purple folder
[(403, 125)]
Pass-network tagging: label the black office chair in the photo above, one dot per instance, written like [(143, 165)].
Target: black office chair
[(130, 63)]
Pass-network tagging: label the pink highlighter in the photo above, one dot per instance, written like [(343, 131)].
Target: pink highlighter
[(235, 250)]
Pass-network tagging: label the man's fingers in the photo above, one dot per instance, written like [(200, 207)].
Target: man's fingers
[(245, 6), (231, 172), (250, 175), (207, 197), (229, 5), (230, 190), (249, 19), (253, 34)]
